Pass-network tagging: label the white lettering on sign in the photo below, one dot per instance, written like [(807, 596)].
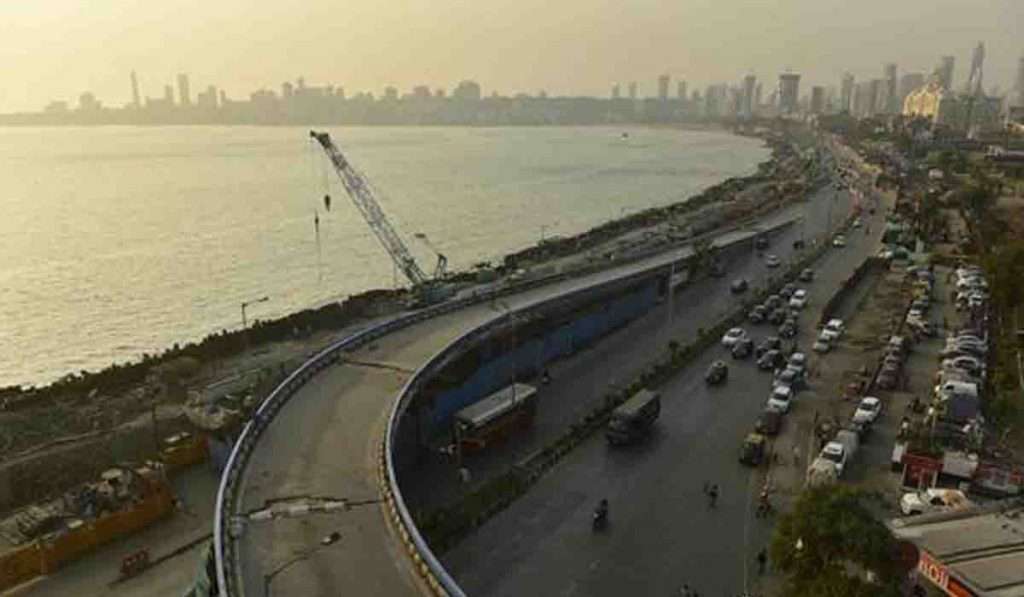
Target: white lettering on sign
[(933, 570)]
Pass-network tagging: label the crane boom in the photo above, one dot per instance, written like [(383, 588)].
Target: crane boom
[(358, 188)]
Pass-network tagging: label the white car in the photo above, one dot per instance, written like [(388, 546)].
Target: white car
[(833, 330), (772, 261), (932, 500), (964, 363), (839, 241), (821, 345), (733, 336), (868, 410), (798, 361), (799, 299), (780, 399), (835, 452)]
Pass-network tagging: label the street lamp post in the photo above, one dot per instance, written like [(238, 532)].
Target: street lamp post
[(245, 304), (269, 578)]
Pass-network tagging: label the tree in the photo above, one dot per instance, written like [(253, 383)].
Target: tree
[(830, 535)]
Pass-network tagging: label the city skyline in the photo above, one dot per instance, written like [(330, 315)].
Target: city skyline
[(65, 50)]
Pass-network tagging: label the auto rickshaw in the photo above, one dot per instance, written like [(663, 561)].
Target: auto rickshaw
[(753, 450)]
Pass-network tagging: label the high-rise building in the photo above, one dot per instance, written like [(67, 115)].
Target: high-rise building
[(945, 72), (616, 91), (789, 93), (757, 96), (747, 96), (846, 93), (184, 96), (909, 83), (467, 91), (663, 88), (817, 99), (632, 90), (891, 91), (136, 102), (681, 90)]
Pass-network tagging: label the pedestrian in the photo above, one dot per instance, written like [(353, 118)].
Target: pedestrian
[(762, 560), (713, 495), (685, 591)]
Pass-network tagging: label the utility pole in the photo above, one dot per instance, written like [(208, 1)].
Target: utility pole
[(245, 304)]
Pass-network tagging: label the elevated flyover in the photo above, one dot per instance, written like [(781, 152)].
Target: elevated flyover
[(321, 435)]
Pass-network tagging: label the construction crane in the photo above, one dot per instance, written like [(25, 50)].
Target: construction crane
[(358, 188)]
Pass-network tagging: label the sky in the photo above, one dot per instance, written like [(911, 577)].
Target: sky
[(56, 49)]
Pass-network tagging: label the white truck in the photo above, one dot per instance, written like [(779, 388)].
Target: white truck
[(830, 464)]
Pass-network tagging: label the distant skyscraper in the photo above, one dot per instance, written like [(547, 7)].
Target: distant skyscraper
[(632, 90), (817, 99), (467, 91), (846, 94), (747, 96), (136, 102), (909, 83), (757, 95), (681, 90), (789, 93), (184, 95), (663, 88), (945, 72), (891, 90), (616, 91)]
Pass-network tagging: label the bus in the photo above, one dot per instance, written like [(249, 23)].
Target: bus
[(495, 417)]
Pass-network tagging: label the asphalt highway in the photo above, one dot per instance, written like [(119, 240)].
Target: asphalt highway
[(662, 532)]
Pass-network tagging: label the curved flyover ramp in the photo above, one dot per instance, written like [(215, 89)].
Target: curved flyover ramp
[(325, 443)]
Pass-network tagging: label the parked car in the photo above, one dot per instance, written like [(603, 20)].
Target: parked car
[(769, 343), (780, 399), (769, 423), (888, 378), (806, 275), (799, 299), (788, 328), (868, 410), (839, 241), (771, 360), (798, 361), (787, 291), (773, 302), (743, 348), (821, 345), (965, 363), (791, 377), (758, 314), (739, 285), (732, 336), (833, 330), (772, 260), (717, 373)]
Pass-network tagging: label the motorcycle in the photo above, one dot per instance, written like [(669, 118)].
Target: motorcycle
[(600, 516)]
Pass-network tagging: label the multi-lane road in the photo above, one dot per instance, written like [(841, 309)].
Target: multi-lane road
[(325, 441), (662, 533)]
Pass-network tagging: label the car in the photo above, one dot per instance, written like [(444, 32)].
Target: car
[(780, 399), (758, 314), (787, 291), (857, 223), (768, 423), (798, 361), (799, 299), (761, 242), (752, 451), (833, 330), (888, 378), (732, 336), (794, 378), (806, 275), (769, 343), (964, 363), (933, 499), (777, 316), (772, 260), (717, 373), (788, 328), (839, 241), (868, 410), (743, 348), (739, 285), (821, 345), (771, 360), (773, 301)]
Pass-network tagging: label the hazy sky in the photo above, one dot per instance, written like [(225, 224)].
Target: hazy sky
[(55, 49)]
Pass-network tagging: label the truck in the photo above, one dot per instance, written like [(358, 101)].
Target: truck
[(831, 463), (632, 420), (495, 417)]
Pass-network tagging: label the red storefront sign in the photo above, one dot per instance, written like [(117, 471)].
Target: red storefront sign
[(920, 470), (939, 576)]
